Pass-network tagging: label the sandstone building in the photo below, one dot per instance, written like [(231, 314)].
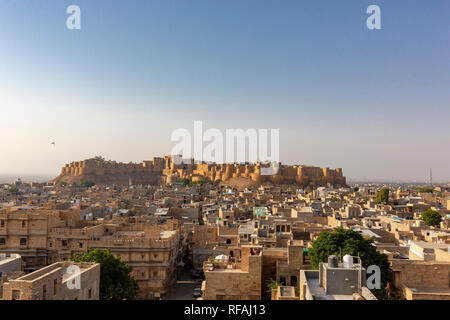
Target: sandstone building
[(59, 281), (236, 281), (43, 237)]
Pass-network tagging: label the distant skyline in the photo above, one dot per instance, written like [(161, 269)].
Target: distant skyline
[(375, 103)]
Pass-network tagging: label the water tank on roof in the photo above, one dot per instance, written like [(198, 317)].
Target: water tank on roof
[(221, 257), (348, 261), (333, 262)]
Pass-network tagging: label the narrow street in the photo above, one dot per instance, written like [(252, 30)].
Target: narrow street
[(184, 287)]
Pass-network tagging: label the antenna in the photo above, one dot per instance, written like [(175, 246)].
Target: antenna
[(431, 178), (359, 275)]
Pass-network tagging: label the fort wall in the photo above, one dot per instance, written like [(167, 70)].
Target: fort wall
[(162, 170)]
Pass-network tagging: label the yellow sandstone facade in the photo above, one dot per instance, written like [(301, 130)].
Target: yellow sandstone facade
[(164, 170), (44, 237)]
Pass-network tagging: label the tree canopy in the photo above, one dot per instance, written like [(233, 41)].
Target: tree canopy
[(87, 184), (13, 190), (188, 182), (382, 196), (431, 218), (425, 189), (116, 282)]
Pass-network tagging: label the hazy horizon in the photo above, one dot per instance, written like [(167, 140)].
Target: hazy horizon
[(372, 102), (43, 177)]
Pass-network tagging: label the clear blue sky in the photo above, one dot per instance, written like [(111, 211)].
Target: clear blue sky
[(376, 103)]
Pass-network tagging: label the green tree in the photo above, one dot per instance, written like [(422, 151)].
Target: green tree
[(272, 285), (382, 196), (425, 190), (13, 190), (431, 218), (62, 184), (87, 184), (116, 282), (184, 181), (341, 242)]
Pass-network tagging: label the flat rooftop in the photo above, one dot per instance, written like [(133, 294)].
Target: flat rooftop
[(428, 290), (430, 245), (319, 293), (166, 234), (43, 272), (7, 259), (130, 233)]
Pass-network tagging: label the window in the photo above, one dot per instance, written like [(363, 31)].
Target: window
[(90, 294), (293, 281), (23, 224), (15, 294), (81, 245), (23, 241), (2, 241), (228, 241), (2, 223), (283, 281), (64, 243), (44, 291), (50, 244), (55, 286)]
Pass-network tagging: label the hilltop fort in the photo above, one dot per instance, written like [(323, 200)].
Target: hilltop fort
[(165, 170)]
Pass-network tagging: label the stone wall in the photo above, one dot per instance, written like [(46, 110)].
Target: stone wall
[(161, 170), (430, 280)]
